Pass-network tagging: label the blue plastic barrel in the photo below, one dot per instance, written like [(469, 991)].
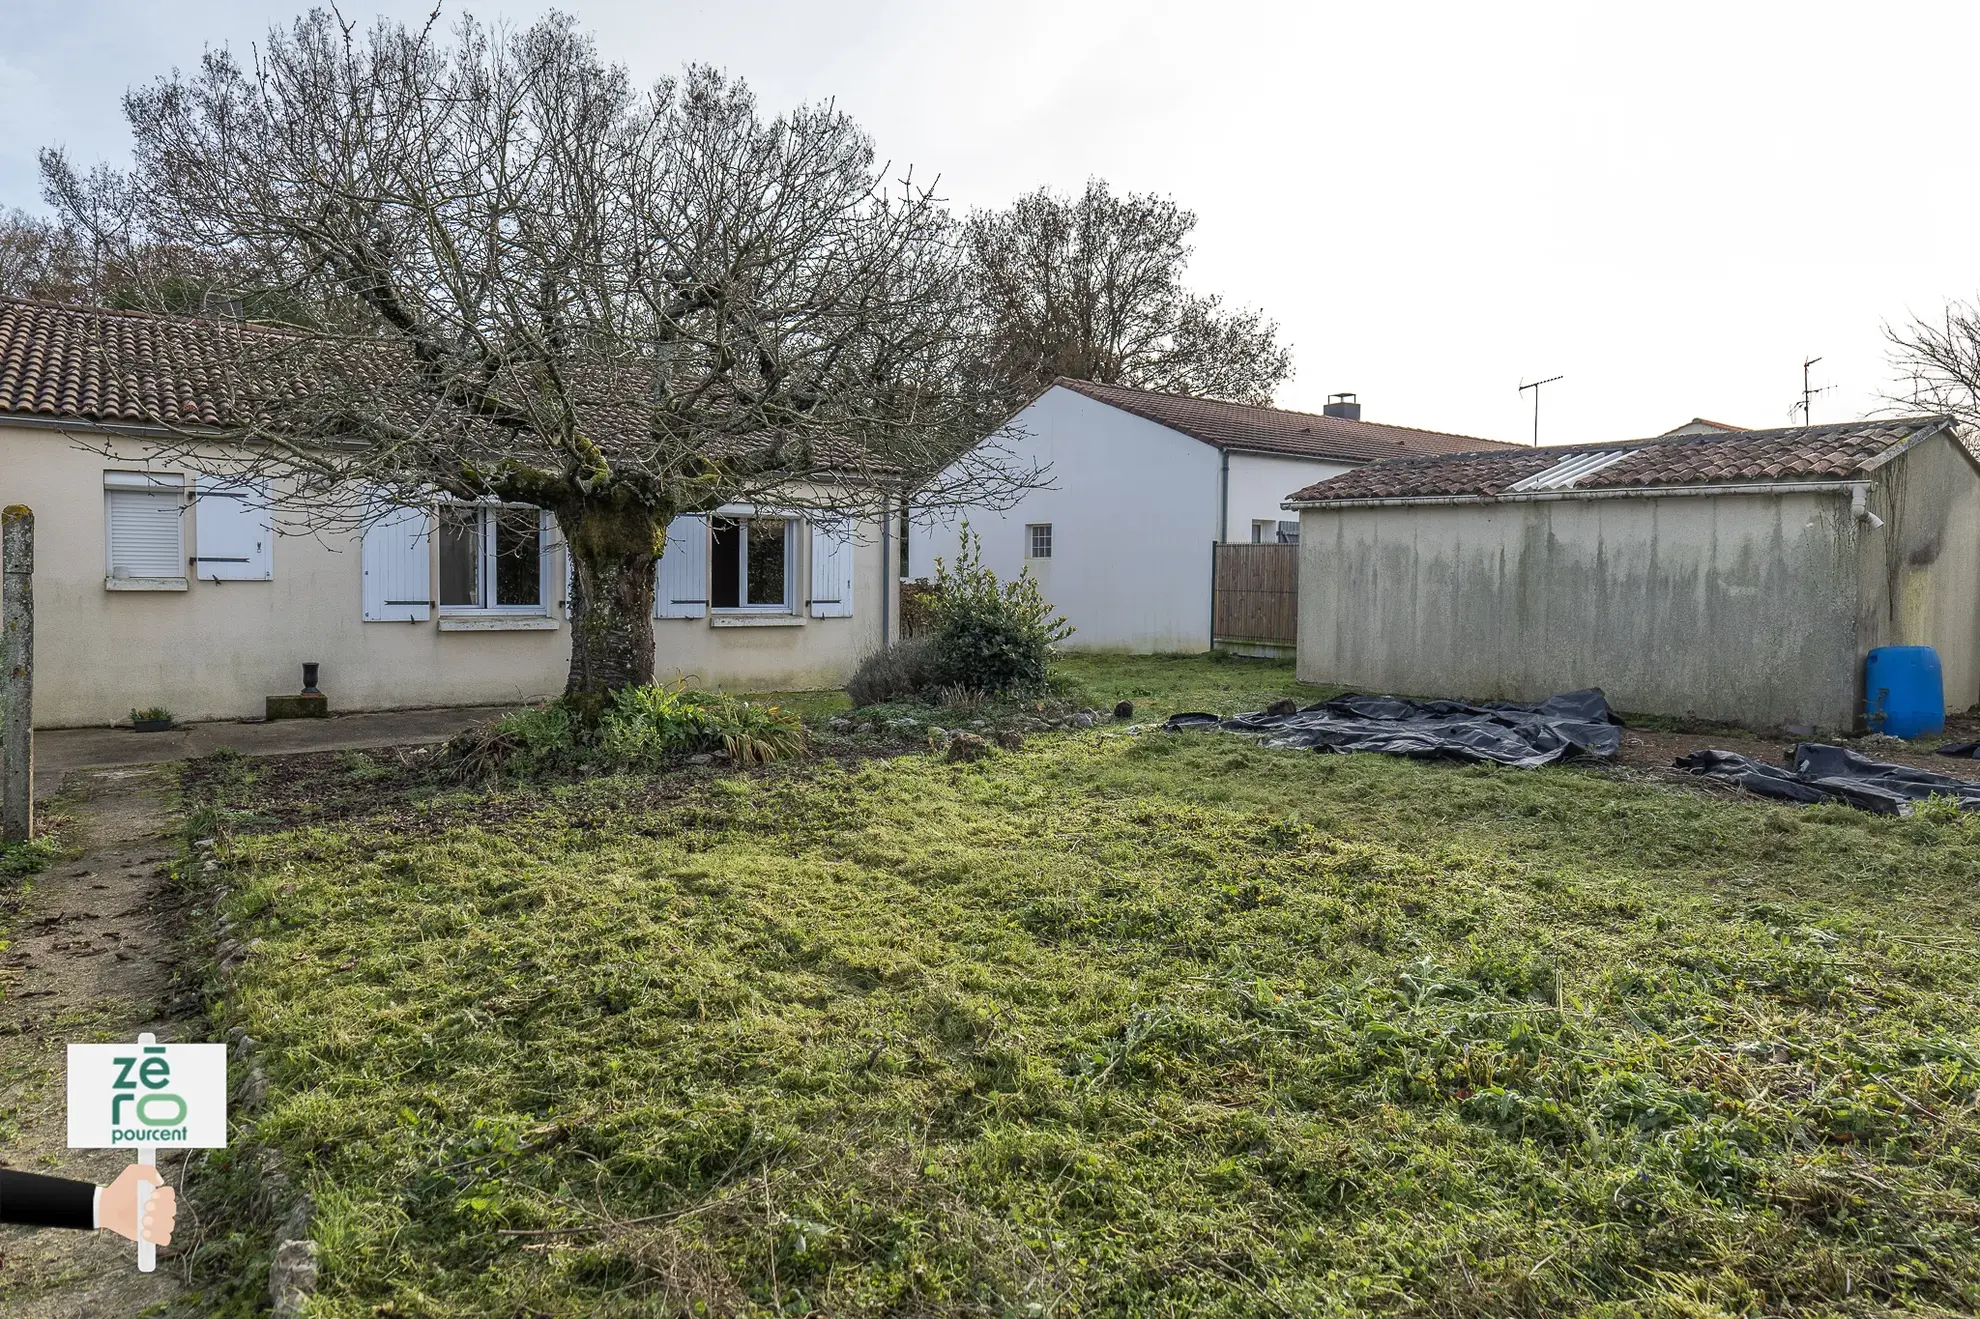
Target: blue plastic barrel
[(1903, 694)]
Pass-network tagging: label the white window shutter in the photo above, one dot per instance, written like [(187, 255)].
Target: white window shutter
[(234, 533), (398, 567), (681, 585), (831, 567)]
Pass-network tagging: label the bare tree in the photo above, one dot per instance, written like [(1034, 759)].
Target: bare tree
[(1940, 360), (41, 259), (1091, 287), (519, 277)]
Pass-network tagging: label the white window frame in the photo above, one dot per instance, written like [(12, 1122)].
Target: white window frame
[(161, 484), (790, 604), (485, 517), (1261, 528), (1032, 540)]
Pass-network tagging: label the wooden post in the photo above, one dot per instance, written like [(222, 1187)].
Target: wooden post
[(16, 674)]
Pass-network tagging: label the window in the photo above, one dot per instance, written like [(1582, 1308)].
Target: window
[(1038, 540), (750, 562), (144, 531), (491, 558), (1264, 532)]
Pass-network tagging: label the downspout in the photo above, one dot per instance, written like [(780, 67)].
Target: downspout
[(886, 569), (1224, 497)]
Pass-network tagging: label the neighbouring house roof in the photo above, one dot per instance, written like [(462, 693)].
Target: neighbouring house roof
[(1703, 426), (1839, 453), (1276, 430)]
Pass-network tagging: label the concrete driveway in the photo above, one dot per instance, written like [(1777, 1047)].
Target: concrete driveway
[(60, 750)]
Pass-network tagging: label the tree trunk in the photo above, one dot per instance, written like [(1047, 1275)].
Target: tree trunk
[(613, 550)]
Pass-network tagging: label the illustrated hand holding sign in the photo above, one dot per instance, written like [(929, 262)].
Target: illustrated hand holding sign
[(140, 1096)]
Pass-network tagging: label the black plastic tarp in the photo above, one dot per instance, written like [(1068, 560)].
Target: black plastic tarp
[(1818, 772), (1505, 733)]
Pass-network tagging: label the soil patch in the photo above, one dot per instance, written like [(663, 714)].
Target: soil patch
[(93, 958)]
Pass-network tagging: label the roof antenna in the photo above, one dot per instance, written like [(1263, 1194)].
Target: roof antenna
[(1535, 387), (1807, 394)]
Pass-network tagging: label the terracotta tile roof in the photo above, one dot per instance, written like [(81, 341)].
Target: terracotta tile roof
[(89, 364), (1797, 453), (1276, 430)]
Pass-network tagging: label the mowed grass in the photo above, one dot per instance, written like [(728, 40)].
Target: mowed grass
[(1113, 1025)]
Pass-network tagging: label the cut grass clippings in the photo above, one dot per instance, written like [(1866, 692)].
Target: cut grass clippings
[(1118, 1025)]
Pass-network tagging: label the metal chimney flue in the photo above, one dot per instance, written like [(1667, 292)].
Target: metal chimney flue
[(1343, 406)]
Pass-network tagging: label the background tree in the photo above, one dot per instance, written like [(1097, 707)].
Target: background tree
[(41, 259), (1091, 287), (1940, 359), (517, 276)]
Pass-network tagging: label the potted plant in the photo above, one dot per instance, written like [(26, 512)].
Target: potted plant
[(155, 720)]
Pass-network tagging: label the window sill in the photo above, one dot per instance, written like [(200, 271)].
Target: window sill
[(144, 583), (756, 620), (498, 623)]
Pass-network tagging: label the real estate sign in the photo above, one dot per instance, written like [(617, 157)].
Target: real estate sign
[(123, 1096)]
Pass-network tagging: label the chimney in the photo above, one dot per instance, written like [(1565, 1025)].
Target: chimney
[(1343, 406)]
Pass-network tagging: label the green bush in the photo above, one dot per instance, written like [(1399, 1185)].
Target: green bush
[(989, 636), (642, 728)]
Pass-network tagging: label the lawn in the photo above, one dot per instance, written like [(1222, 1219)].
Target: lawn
[(1110, 1025)]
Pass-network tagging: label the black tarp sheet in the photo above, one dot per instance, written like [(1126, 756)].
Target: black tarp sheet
[(1505, 733), (1818, 772)]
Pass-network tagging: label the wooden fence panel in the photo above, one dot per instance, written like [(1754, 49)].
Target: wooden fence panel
[(1257, 593)]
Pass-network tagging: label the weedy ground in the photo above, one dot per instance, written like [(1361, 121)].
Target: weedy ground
[(1111, 1025)]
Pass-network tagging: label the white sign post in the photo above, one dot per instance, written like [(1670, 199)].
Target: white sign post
[(140, 1096)]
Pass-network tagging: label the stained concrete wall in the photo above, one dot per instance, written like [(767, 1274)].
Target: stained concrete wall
[(217, 650), (1739, 607), (1919, 578)]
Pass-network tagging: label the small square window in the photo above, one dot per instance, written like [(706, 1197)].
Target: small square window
[(144, 520), (1038, 540), (1263, 532)]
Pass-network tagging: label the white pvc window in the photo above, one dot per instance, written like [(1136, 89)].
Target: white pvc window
[(1263, 532), (752, 564), (144, 527), (492, 558), (1038, 541)]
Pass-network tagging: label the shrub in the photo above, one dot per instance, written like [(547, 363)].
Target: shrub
[(990, 636), (917, 609), (898, 673), (641, 729)]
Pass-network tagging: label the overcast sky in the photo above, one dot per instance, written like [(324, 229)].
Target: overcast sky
[(1435, 201)]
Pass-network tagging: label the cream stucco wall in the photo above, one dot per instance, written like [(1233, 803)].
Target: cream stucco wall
[(218, 650)]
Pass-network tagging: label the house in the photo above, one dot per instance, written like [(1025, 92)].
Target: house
[(1139, 485), (1738, 575), (161, 585)]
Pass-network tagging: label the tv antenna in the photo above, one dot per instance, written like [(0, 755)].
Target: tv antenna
[(1808, 393), (1535, 387)]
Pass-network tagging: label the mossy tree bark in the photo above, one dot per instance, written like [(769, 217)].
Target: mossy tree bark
[(614, 548)]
